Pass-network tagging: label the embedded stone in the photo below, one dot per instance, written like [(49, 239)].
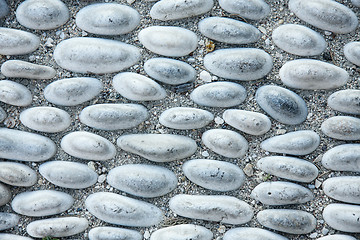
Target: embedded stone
[(113, 233), (346, 101), (17, 174), (22, 69), (4, 10), (8, 220), (352, 52), (181, 232), (243, 64), (245, 233), (95, 55), (120, 210), (14, 93), (17, 42), (5, 194), (9, 236), (251, 9), (343, 217), (345, 157), (344, 189), (342, 127), (3, 114), (337, 237), (356, 3)]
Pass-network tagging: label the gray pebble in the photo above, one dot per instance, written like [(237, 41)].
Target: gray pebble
[(343, 217), (337, 237), (352, 52), (9, 236), (182, 232), (344, 189), (22, 69), (356, 3), (251, 9), (345, 157), (3, 114), (4, 8), (246, 233), (17, 42), (17, 174), (113, 233), (5, 194), (346, 101), (14, 93), (342, 127), (8, 220)]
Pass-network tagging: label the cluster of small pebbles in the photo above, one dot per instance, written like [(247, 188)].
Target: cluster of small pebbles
[(179, 119)]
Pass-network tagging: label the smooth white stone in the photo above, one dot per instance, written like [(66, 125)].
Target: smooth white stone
[(346, 101), (17, 42), (8, 220), (337, 237), (5, 194), (352, 52), (356, 3), (88, 146), (295, 143), (113, 233), (25, 146), (168, 40), (158, 147), (45, 119), (246, 233), (182, 232), (214, 175), (224, 209), (251, 9), (9, 236), (344, 189), (111, 116), (219, 94), (95, 55), (107, 18), (14, 93), (343, 217), (68, 174), (41, 203), (291, 168), (4, 10), (169, 71), (344, 157), (72, 91), (57, 227), (142, 180), (22, 69), (342, 127), (116, 209), (325, 14), (17, 174), (243, 64)]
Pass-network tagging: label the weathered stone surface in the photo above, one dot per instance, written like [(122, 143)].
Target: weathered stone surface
[(142, 180), (325, 14), (14, 93), (72, 91), (4, 10), (356, 3), (113, 233), (116, 209), (137, 87), (107, 19), (68, 174), (22, 69), (345, 188), (111, 116), (347, 101), (224, 209), (344, 157), (352, 52), (245, 233), (342, 127), (95, 55), (225, 142), (9, 236), (158, 147), (287, 220), (251, 9), (8, 220), (5, 194), (282, 104), (295, 143), (17, 42), (343, 217), (17, 174), (337, 237), (243, 64), (181, 232), (168, 40)]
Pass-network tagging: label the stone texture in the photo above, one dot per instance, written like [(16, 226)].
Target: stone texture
[(14, 93), (113, 233), (17, 42), (251, 9), (342, 127), (344, 188), (5, 194), (4, 8), (246, 233), (343, 217), (352, 52), (22, 69), (181, 232), (8, 220), (346, 101), (17, 174), (345, 157)]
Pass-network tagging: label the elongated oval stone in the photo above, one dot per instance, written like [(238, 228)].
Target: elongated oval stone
[(343, 217), (68, 174), (219, 94), (287, 220), (291, 168), (345, 188), (8, 220), (57, 227), (116, 209), (108, 19), (312, 74), (17, 42), (182, 231), (337, 237), (17, 174), (9, 236), (142, 180), (95, 55), (325, 14), (112, 116), (169, 71), (22, 69), (251, 9), (168, 40), (345, 157), (245, 233), (224, 209), (347, 101), (352, 52), (295, 143), (72, 91), (45, 119), (14, 93), (342, 127), (5, 194), (225, 142), (25, 146), (243, 64), (113, 233), (158, 147), (282, 104), (4, 8)]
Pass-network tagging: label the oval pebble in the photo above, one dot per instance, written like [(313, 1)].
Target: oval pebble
[(346, 101), (68, 174), (252, 123), (57, 227), (344, 189), (282, 104), (337, 237), (251, 9), (107, 19), (95, 55), (17, 174), (169, 71), (219, 94), (295, 143), (343, 217), (9, 236), (45, 119), (22, 69), (41, 203), (4, 8), (224, 209), (5, 194), (182, 232), (8, 220), (325, 14), (17, 42), (111, 116), (116, 209), (246, 233), (14, 93), (291, 168), (113, 233), (243, 64), (158, 147), (214, 175), (342, 127), (352, 52), (72, 91), (345, 157), (312, 74), (168, 40), (225, 142), (142, 180)]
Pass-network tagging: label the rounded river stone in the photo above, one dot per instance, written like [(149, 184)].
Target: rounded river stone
[(346, 101), (17, 42), (344, 189), (5, 194), (9, 236), (181, 232), (352, 52), (251, 9), (345, 157), (342, 127), (343, 217), (22, 69), (356, 3), (246, 233), (113, 233), (8, 220), (14, 93), (17, 174), (337, 237)]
